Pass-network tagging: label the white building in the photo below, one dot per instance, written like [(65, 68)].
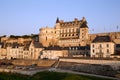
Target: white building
[(102, 46), (28, 50), (35, 49), (3, 53), (54, 52), (15, 51)]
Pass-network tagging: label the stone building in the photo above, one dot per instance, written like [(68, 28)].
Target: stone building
[(3, 53), (35, 49), (102, 46), (54, 52), (74, 33), (79, 51), (115, 36)]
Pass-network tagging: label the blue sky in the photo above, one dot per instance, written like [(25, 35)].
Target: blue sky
[(20, 17)]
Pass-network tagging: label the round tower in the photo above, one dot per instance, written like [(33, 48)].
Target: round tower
[(46, 35)]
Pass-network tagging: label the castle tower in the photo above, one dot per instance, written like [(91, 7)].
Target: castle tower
[(83, 32), (46, 36)]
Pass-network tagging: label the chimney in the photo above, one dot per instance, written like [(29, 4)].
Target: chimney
[(75, 19)]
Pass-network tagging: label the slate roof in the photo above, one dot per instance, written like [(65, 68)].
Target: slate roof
[(56, 48), (57, 21), (84, 25), (27, 45), (117, 45), (102, 39), (76, 22), (80, 47), (37, 44), (117, 52), (15, 45), (2, 45)]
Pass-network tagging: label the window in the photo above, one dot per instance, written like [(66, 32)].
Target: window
[(107, 50), (73, 48), (66, 30), (72, 30), (100, 46), (76, 48), (93, 50), (93, 45), (100, 51), (69, 48), (63, 31), (77, 30), (69, 30), (107, 45), (65, 35)]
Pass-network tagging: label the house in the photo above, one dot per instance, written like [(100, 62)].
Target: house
[(35, 50), (102, 46), (15, 51), (79, 51), (54, 52), (3, 53), (117, 52)]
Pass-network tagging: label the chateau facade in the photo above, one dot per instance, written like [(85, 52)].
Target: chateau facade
[(66, 39), (64, 34)]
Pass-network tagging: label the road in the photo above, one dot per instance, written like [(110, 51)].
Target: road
[(86, 74), (32, 72)]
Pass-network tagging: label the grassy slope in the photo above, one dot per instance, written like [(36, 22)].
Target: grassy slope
[(47, 76)]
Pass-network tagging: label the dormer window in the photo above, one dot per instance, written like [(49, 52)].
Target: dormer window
[(76, 48), (73, 48), (69, 48)]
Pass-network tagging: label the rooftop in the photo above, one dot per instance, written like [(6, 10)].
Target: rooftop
[(56, 48), (102, 39)]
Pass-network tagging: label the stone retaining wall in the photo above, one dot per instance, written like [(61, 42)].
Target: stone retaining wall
[(115, 64), (42, 63), (98, 69)]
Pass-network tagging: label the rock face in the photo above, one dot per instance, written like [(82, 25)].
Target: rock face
[(105, 70)]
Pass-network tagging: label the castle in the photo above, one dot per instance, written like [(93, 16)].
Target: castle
[(72, 33), (66, 39)]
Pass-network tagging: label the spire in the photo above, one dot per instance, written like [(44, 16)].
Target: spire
[(83, 19), (57, 21), (84, 23)]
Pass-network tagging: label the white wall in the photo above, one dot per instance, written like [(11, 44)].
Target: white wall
[(95, 48)]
